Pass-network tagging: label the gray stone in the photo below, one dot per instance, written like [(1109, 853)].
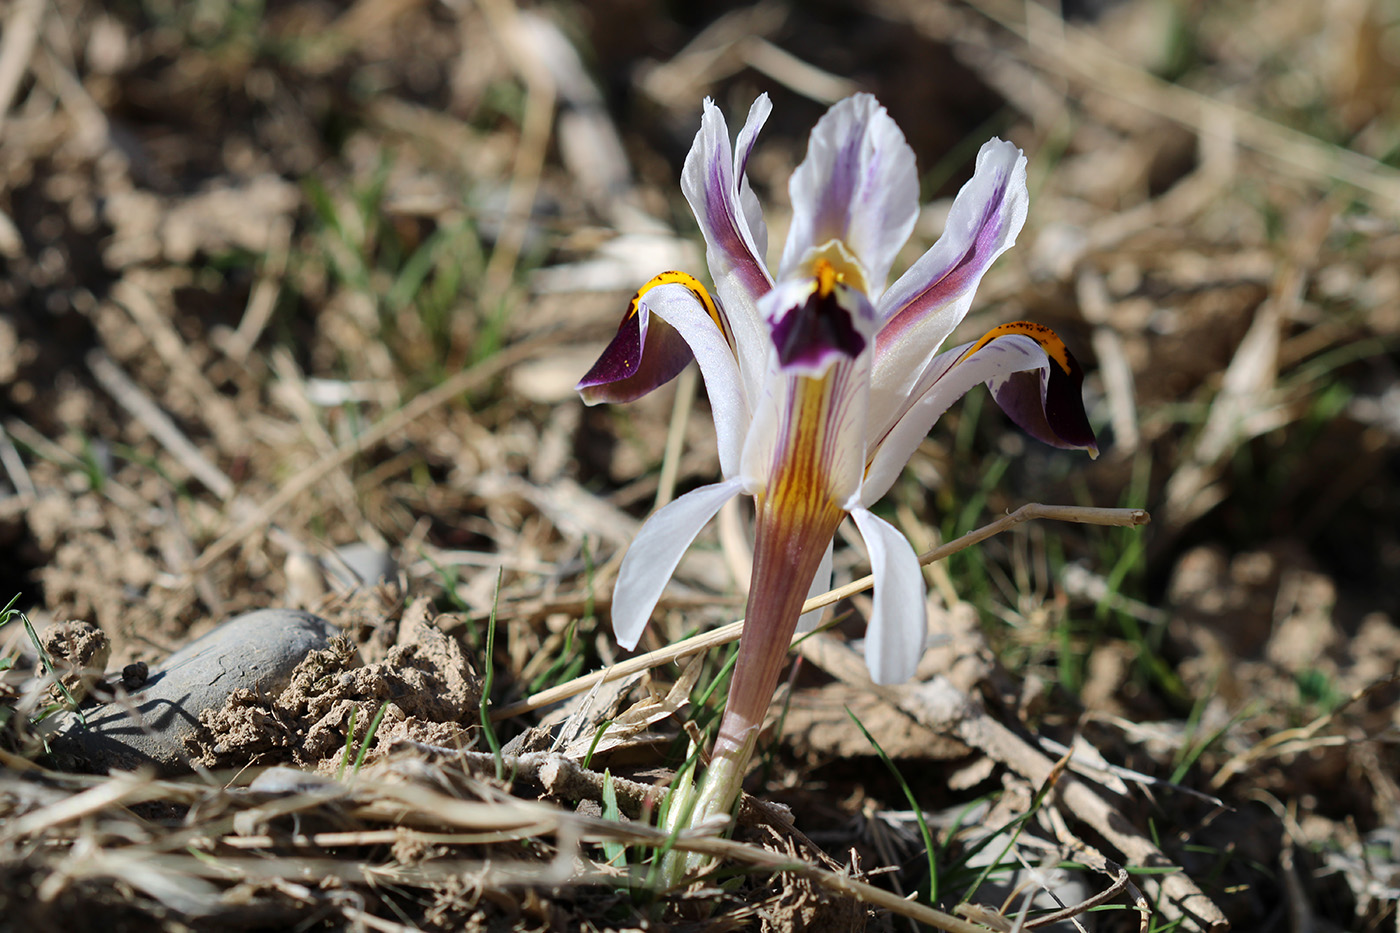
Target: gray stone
[(256, 651), (359, 564)]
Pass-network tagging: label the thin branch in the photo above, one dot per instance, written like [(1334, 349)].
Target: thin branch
[(150, 415), (725, 634)]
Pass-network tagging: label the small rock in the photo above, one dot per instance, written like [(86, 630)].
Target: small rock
[(256, 651), (359, 564), (281, 779)]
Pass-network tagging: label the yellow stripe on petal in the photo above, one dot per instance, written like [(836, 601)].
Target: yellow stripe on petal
[(1051, 410), (1049, 341), (690, 282)]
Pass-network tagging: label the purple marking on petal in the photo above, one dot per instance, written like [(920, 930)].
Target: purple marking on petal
[(814, 331), (634, 364), (953, 279), (722, 224), (1048, 404), (714, 194), (620, 359)]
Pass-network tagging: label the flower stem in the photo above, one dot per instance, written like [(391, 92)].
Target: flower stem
[(790, 539)]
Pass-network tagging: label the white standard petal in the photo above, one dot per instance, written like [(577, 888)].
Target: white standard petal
[(732, 228), (808, 621), (857, 185), (929, 300), (662, 541), (894, 640)]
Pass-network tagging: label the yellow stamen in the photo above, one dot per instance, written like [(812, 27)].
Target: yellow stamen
[(833, 264), (827, 277)]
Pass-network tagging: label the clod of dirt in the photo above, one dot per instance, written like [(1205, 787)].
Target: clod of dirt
[(79, 651), (425, 689), (254, 653)]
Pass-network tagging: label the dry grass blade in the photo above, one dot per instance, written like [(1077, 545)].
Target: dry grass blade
[(732, 631), (465, 381), (21, 31), (119, 790), (140, 406), (1294, 740), (1074, 54)]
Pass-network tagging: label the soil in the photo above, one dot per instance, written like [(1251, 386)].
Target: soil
[(283, 283)]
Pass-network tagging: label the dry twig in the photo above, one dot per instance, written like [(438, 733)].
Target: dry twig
[(732, 631)]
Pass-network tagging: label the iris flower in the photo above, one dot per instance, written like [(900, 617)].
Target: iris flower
[(823, 381)]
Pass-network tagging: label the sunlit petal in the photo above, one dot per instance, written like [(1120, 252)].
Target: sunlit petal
[(894, 640), (748, 201), (732, 224), (858, 185), (643, 355), (928, 301), (651, 560), (1049, 405)]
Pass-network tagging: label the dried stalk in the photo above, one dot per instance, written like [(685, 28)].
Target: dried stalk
[(731, 632)]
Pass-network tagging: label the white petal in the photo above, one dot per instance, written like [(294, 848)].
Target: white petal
[(678, 306), (928, 301), (761, 441), (936, 389), (662, 541), (894, 640), (783, 427), (748, 201), (858, 184), (808, 621), (731, 230)]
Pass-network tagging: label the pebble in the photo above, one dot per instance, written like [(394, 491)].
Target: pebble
[(359, 564), (256, 651)]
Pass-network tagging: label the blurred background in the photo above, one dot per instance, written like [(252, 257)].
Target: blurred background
[(279, 223)]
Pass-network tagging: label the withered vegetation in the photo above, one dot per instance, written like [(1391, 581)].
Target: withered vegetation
[(283, 284)]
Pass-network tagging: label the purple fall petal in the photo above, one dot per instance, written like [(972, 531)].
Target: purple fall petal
[(672, 323), (643, 355), (1047, 404), (1004, 354)]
